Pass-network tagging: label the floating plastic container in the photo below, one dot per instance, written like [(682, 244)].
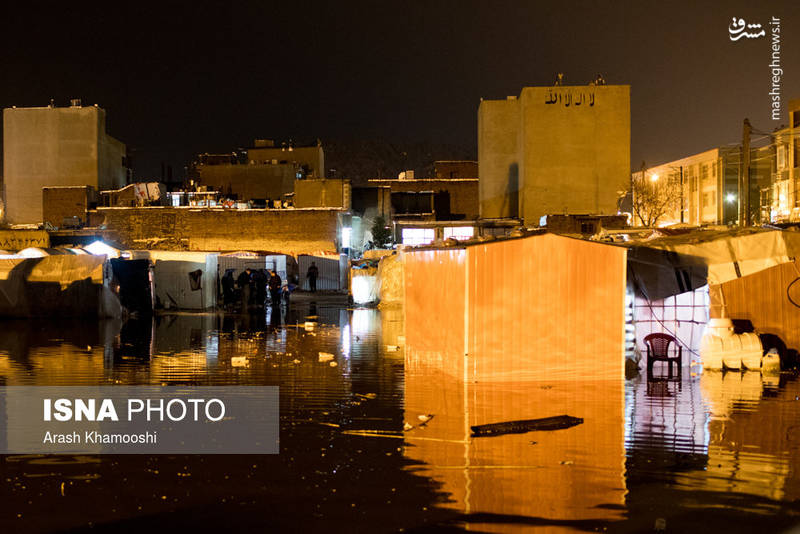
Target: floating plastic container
[(771, 362), (721, 348)]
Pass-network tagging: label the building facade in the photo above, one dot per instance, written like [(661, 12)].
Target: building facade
[(783, 195), (563, 149), (704, 187), (264, 172), (52, 146)]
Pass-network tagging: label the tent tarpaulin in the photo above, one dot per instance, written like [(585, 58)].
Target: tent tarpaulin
[(64, 285), (730, 254)]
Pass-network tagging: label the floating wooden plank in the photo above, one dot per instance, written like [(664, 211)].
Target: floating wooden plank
[(557, 422)]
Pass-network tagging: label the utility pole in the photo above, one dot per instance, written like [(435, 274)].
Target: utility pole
[(681, 194), (744, 177), (642, 184)]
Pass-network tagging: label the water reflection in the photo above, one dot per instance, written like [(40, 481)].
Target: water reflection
[(385, 444), (324, 477), (572, 478)]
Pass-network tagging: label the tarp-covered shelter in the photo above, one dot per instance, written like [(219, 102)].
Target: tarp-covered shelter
[(548, 306), (60, 285), (183, 280)]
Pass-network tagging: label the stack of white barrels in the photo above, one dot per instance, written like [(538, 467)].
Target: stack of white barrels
[(721, 348)]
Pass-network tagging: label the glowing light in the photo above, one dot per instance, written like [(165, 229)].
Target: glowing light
[(730, 197), (418, 236), (654, 178), (459, 232), (32, 252), (363, 289), (98, 248), (346, 233), (361, 321), (346, 341)]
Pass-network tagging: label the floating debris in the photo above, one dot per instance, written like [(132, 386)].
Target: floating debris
[(558, 422)]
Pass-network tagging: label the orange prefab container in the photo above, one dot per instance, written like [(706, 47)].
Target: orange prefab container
[(543, 307)]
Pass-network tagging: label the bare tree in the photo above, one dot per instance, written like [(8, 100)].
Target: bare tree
[(654, 197)]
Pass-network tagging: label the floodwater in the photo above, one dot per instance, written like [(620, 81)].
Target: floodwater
[(371, 445)]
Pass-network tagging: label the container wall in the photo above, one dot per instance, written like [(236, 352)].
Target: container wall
[(434, 307), (545, 308), (769, 300), (539, 308)]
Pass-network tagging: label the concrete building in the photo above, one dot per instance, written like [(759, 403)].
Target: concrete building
[(51, 146), (563, 149), (706, 186), (260, 172), (322, 194), (310, 159), (783, 194), (443, 170), (433, 198)]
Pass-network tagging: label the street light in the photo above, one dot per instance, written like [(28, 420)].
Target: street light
[(654, 178)]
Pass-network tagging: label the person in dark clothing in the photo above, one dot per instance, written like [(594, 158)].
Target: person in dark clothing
[(274, 287), (227, 287), (312, 275), (259, 280), (243, 281)]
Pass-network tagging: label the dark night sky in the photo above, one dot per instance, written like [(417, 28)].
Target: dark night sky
[(178, 79)]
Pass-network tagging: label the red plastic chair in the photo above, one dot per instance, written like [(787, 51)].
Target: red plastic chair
[(658, 350)]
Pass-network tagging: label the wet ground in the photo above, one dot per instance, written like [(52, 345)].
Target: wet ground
[(373, 446)]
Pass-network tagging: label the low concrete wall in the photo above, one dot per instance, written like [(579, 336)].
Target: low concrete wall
[(292, 231), (20, 239)]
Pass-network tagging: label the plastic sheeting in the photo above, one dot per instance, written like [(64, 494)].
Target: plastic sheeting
[(364, 285), (390, 280), (731, 254), (64, 285)]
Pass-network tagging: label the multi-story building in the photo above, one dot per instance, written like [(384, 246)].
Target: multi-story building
[(52, 146), (260, 172), (783, 195), (554, 150), (704, 188)]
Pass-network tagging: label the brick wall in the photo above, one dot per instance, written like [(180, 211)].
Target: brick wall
[(464, 199), (291, 231), (61, 202)]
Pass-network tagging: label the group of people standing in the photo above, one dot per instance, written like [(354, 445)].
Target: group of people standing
[(251, 286)]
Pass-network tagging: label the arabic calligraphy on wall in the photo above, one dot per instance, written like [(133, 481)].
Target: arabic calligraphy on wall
[(737, 28), (18, 240), (569, 98)]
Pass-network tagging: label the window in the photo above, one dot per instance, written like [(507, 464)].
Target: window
[(797, 152), (418, 236), (781, 157), (704, 172), (461, 233), (705, 200)]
